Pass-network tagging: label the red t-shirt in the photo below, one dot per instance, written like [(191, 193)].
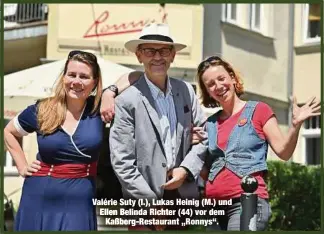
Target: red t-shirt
[(227, 185)]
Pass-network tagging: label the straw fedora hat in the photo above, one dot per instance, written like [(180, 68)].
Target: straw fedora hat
[(154, 33)]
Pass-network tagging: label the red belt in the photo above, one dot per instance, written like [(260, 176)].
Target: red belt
[(67, 170)]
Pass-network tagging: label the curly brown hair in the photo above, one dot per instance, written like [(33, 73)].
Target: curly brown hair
[(214, 61)]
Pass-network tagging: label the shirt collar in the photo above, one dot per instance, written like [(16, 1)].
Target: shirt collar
[(156, 91)]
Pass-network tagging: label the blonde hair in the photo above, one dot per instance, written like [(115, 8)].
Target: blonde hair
[(214, 61), (51, 111)]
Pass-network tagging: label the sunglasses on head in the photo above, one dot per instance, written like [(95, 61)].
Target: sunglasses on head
[(208, 60), (88, 55)]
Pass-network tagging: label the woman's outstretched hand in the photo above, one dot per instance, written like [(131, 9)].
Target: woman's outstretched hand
[(300, 114)]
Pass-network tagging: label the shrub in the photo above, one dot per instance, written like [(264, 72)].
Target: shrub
[(294, 192)]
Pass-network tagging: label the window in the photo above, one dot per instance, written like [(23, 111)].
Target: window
[(255, 17), (25, 13), (312, 22), (9, 164), (230, 13), (312, 140)]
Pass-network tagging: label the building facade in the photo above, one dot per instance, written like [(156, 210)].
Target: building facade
[(306, 77), (276, 48), (25, 30), (25, 36)]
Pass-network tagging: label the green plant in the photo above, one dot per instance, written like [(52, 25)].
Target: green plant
[(294, 191)]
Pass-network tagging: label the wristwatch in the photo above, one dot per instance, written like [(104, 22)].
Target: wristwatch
[(113, 88)]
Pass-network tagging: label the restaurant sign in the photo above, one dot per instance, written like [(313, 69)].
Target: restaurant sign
[(105, 28)]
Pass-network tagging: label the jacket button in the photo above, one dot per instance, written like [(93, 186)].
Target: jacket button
[(163, 164)]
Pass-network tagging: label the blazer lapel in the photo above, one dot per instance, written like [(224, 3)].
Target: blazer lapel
[(178, 104), (149, 105)]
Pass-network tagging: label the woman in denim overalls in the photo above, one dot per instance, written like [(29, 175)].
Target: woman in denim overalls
[(238, 138)]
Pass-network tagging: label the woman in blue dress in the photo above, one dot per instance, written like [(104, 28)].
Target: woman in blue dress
[(57, 194)]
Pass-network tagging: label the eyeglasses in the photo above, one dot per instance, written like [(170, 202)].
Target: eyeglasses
[(87, 55), (150, 52), (207, 61)]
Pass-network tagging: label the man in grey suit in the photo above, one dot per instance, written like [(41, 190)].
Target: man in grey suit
[(150, 137)]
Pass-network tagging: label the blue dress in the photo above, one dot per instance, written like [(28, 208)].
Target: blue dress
[(60, 204)]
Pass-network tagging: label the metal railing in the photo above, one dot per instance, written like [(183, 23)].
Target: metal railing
[(23, 13)]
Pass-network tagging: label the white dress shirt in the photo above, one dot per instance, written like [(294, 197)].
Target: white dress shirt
[(164, 105)]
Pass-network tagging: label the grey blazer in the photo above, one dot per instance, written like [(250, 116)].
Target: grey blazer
[(137, 151)]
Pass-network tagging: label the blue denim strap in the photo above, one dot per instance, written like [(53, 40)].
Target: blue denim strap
[(248, 110), (212, 131)]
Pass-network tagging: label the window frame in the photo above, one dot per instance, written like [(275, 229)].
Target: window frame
[(252, 17), (306, 134), (9, 168), (307, 40), (226, 12)]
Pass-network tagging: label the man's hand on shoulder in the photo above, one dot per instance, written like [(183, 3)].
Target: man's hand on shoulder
[(107, 106)]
